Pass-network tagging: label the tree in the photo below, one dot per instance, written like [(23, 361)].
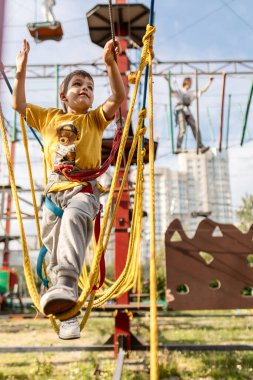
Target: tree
[(245, 213)]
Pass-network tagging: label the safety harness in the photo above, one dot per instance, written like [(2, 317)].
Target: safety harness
[(58, 211), (72, 174)]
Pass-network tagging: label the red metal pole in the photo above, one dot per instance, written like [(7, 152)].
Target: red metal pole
[(224, 76), (122, 322), (5, 263)]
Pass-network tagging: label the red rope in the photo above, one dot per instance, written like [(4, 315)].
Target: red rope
[(85, 175), (91, 174)]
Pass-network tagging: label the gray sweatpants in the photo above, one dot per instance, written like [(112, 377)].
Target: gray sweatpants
[(66, 238), (183, 120)]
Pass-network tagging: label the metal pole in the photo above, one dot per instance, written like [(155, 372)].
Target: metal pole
[(171, 115), (14, 128), (210, 125), (167, 119), (119, 365), (2, 3), (197, 112), (222, 109), (153, 308), (57, 86), (151, 20), (6, 253), (5, 77), (228, 119), (246, 114), (122, 222), (96, 348)]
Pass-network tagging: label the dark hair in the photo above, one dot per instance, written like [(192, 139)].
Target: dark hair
[(67, 79), (187, 80)]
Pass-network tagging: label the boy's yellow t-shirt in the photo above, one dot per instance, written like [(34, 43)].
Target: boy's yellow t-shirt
[(69, 138)]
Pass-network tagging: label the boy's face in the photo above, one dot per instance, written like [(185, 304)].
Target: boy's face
[(79, 96)]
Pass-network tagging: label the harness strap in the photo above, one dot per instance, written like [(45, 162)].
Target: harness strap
[(40, 260), (59, 212), (53, 207), (43, 251), (87, 175)]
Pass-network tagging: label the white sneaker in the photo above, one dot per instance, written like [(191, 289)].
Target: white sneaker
[(69, 329)]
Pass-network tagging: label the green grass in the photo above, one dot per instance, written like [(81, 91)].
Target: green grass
[(172, 365)]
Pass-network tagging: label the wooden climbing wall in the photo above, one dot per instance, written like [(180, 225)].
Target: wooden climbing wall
[(213, 270)]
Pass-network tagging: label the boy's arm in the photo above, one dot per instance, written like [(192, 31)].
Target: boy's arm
[(111, 105), (204, 89), (18, 97)]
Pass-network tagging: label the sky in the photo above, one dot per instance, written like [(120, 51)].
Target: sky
[(185, 30)]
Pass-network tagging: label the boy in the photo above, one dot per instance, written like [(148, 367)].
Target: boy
[(75, 135), (184, 117)]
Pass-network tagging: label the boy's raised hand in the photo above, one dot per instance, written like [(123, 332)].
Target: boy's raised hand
[(110, 51), (21, 58)]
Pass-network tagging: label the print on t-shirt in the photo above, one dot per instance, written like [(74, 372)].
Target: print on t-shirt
[(66, 150)]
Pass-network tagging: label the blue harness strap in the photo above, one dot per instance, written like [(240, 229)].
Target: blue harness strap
[(42, 254), (43, 251), (53, 208)]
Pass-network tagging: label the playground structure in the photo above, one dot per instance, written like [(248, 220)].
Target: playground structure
[(212, 270), (122, 323)]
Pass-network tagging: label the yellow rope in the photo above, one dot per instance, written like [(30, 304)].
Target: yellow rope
[(115, 287), (95, 265), (112, 291), (34, 293), (25, 141), (26, 260), (153, 307), (128, 275)]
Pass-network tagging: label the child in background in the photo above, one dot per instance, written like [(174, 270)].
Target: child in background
[(47, 9), (72, 135), (184, 117)]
